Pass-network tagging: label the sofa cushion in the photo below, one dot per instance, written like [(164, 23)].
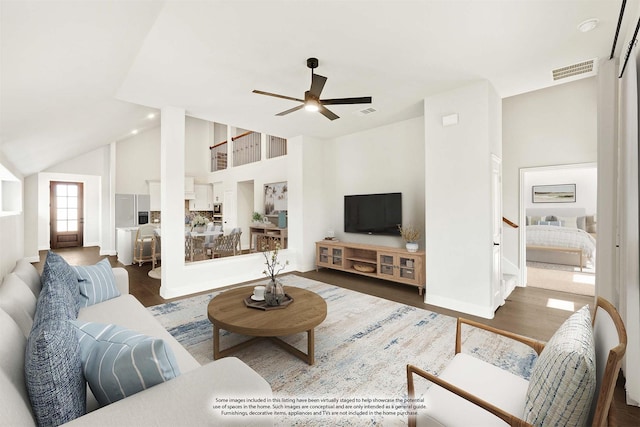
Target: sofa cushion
[(57, 270), (118, 362), (472, 375), (17, 300), (96, 283), (53, 373), (29, 275), (563, 380)]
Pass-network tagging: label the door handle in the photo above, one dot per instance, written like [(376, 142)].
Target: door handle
[(496, 244)]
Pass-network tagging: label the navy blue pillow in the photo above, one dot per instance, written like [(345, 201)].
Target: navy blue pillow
[(57, 272)]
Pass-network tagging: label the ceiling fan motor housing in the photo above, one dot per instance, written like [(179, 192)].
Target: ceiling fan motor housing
[(312, 63)]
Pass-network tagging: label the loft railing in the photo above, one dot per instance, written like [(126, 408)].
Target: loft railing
[(219, 156), (276, 146), (246, 148)]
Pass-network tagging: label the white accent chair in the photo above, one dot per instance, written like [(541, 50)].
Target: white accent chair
[(473, 392)]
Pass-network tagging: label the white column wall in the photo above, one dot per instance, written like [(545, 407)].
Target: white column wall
[(458, 202), (172, 155)]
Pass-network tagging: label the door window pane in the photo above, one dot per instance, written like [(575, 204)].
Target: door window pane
[(62, 226), (62, 214), (72, 226)]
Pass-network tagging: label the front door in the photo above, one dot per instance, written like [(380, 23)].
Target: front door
[(67, 219)]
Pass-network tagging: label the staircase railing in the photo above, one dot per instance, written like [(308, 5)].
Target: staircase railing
[(509, 222)]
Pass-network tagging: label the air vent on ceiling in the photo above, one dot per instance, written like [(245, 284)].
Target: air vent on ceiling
[(579, 70), (366, 111)]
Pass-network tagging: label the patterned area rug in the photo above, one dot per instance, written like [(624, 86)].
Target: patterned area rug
[(362, 349)]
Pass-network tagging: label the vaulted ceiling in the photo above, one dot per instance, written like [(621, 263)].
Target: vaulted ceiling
[(76, 75)]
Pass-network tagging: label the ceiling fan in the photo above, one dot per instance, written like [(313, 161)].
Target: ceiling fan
[(312, 101)]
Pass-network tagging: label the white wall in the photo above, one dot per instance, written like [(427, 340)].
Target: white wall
[(386, 159), (11, 231), (553, 126), (93, 169), (585, 179), (458, 198), (138, 160), (138, 157)]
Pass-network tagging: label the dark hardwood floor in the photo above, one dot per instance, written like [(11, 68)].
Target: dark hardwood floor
[(526, 312)]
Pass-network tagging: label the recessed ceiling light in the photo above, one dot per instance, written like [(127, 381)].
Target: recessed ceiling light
[(134, 132), (588, 25), (151, 115)]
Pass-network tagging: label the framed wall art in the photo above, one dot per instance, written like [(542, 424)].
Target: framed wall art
[(275, 198), (561, 193)]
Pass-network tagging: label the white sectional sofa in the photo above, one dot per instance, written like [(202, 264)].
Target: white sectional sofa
[(187, 399)]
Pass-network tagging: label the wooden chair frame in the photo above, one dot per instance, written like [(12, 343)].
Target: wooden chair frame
[(604, 412)]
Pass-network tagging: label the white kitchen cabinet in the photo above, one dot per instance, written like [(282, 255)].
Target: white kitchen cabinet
[(203, 198), (218, 189), (154, 195)]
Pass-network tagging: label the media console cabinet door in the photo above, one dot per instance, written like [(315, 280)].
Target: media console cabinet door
[(330, 256)]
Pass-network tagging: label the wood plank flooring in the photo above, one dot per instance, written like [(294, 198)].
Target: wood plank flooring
[(527, 310)]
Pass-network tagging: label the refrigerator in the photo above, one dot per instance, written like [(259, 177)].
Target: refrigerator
[(128, 208)]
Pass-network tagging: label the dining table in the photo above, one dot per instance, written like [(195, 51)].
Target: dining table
[(196, 240)]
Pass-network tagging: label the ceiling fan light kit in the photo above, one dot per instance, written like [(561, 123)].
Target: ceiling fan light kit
[(312, 101)]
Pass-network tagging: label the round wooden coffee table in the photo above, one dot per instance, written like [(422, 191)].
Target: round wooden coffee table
[(228, 311)]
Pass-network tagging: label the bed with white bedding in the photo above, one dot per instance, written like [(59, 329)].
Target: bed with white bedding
[(552, 239), (565, 237)]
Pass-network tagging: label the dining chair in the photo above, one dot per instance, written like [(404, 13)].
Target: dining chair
[(145, 245)]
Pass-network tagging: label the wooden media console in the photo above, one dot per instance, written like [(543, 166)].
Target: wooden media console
[(382, 262)]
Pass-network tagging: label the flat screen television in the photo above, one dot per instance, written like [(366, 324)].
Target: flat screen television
[(373, 213)]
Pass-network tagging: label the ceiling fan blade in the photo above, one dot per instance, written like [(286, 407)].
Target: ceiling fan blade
[(290, 110), (317, 83), (339, 101), (327, 113), (259, 92)]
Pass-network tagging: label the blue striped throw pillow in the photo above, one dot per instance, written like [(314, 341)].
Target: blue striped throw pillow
[(118, 362), (97, 283), (563, 379)]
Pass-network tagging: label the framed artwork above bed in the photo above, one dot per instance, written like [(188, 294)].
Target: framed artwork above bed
[(561, 193)]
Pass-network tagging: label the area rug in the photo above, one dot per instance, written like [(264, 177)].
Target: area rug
[(571, 281), (361, 350), (156, 273)]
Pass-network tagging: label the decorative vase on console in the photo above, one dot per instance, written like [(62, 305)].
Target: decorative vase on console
[(274, 291), (410, 235)]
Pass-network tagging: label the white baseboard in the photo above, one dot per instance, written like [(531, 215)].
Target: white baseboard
[(452, 304)]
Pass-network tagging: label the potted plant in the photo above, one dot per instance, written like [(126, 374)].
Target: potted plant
[(199, 223), (274, 291), (256, 217), (410, 235)]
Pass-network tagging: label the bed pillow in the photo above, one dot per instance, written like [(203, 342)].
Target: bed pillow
[(581, 222), (568, 221), (118, 362), (563, 379), (96, 282), (556, 223)]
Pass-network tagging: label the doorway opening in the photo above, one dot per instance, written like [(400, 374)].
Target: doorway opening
[(67, 218), (558, 243)]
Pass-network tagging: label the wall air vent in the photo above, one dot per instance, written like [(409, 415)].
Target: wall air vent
[(366, 111), (578, 70)]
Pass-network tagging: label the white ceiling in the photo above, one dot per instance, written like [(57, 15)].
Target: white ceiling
[(77, 75)]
